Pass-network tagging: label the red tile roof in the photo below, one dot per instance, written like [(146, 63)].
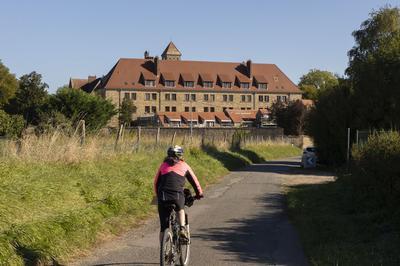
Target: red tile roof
[(190, 116), (207, 116), (238, 116), (126, 74), (221, 116), (172, 116)]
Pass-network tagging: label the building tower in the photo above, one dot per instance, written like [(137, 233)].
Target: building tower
[(171, 53)]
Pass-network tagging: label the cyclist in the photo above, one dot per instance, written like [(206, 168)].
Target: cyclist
[(169, 183)]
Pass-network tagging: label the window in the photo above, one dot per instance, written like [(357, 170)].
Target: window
[(170, 83), (207, 84), (187, 97), (167, 108), (173, 96), (242, 108), (225, 98), (226, 84), (276, 79), (173, 108), (224, 108), (266, 98), (154, 96), (244, 85), (206, 97), (147, 96), (243, 98), (205, 109), (149, 83), (193, 97), (262, 86), (248, 108), (278, 98), (260, 98), (212, 97), (212, 109), (133, 96), (154, 109), (186, 108), (127, 95), (188, 84), (284, 99), (249, 98), (231, 98), (147, 109), (193, 109), (167, 97)]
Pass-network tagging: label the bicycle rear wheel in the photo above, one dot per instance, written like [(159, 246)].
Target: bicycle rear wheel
[(166, 249), (185, 249)]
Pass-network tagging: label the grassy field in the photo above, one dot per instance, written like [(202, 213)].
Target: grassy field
[(337, 229), (58, 197)]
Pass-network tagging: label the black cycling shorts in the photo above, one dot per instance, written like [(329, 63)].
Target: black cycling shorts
[(165, 200)]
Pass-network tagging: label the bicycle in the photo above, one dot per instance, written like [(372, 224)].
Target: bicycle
[(172, 246)]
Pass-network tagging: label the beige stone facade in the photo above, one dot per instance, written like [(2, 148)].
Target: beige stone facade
[(149, 102)]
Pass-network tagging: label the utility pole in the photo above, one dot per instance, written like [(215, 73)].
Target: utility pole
[(191, 119)]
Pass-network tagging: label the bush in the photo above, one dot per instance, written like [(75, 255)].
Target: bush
[(76, 105), (11, 126), (376, 170)]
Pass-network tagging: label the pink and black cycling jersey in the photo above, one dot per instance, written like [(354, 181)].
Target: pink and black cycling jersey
[(171, 177)]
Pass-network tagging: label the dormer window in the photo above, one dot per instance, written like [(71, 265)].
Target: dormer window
[(262, 86), (169, 83), (226, 84), (244, 85), (188, 84), (149, 83), (207, 84)]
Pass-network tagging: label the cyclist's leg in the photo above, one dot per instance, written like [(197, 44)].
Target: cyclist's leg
[(182, 221), (163, 214)]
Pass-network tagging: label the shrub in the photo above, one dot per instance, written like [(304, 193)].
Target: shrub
[(376, 170), (76, 105), (11, 126)]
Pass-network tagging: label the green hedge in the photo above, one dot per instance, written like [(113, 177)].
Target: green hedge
[(376, 169)]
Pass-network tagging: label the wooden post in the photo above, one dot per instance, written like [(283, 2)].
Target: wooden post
[(139, 129), (83, 132), (173, 138), (158, 136), (119, 134)]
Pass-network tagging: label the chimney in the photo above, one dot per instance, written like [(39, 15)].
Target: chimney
[(147, 55), (156, 66), (249, 69), (91, 78)]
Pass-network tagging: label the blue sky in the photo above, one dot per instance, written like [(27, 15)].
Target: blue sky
[(63, 39)]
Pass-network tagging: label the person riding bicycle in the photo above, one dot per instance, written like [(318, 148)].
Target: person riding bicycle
[(169, 183)]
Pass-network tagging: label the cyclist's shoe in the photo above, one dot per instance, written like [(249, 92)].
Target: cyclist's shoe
[(183, 233)]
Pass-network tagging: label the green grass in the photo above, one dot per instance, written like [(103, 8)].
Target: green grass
[(259, 153), (337, 228), (50, 210)]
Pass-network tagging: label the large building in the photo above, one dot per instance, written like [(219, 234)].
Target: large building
[(170, 84)]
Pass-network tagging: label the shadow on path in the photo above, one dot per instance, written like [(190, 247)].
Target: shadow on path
[(260, 238)]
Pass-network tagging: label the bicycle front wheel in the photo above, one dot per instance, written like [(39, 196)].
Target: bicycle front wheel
[(185, 249), (166, 249)]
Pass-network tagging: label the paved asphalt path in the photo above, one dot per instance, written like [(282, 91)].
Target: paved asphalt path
[(241, 221)]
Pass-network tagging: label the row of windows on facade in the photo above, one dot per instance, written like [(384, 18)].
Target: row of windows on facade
[(153, 109), (206, 97), (205, 84)]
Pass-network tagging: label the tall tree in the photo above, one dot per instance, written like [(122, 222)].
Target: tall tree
[(8, 84), (374, 70), (126, 111), (316, 81), (29, 98)]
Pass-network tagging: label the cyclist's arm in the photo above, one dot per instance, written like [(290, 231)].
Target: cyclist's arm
[(156, 180), (191, 177)]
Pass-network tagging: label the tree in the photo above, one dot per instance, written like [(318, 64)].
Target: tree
[(374, 69), (126, 111), (328, 121), (29, 98), (290, 116), (76, 105), (316, 81), (8, 84)]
